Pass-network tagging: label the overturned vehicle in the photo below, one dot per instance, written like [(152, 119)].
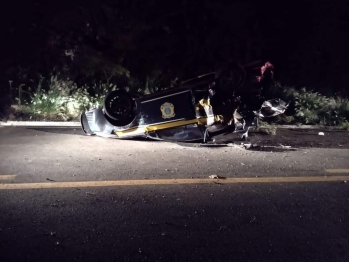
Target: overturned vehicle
[(194, 110)]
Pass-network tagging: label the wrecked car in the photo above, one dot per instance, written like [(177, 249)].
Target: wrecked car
[(194, 110)]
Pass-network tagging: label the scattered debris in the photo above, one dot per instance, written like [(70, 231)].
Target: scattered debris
[(284, 146), (216, 177), (247, 146), (242, 164), (321, 134), (236, 146)]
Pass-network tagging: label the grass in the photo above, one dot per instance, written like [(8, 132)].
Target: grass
[(265, 127), (345, 125), (63, 100)]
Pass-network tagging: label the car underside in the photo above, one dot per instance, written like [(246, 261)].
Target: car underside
[(194, 110)]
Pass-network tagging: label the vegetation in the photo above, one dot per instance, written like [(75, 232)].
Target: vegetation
[(311, 107), (267, 128), (61, 99)]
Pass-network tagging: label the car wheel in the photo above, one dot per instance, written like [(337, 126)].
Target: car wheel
[(135, 95), (118, 105), (231, 77)]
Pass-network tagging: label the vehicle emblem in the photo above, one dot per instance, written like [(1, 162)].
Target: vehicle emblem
[(167, 110)]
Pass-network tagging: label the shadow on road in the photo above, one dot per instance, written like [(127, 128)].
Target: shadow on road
[(272, 149)]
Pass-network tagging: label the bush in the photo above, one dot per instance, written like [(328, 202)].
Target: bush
[(63, 100), (311, 107), (345, 125), (314, 108), (267, 128)]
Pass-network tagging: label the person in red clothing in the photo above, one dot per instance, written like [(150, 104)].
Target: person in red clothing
[(265, 79)]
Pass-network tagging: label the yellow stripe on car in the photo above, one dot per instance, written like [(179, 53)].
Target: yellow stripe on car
[(132, 131)]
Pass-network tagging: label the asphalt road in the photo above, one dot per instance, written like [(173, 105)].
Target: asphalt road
[(66, 196)]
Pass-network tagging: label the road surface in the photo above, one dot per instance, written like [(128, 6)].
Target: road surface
[(66, 196)]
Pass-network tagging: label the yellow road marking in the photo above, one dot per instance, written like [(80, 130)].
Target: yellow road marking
[(171, 182), (337, 171), (7, 177)]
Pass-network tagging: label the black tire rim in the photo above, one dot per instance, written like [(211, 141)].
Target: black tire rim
[(231, 78), (119, 106)]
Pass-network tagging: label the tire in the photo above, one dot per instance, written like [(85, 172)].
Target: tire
[(231, 77), (135, 95), (119, 106)]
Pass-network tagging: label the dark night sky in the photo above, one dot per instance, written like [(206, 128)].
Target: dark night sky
[(305, 39), (285, 22)]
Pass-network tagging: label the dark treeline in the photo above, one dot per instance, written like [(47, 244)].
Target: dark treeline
[(109, 40)]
